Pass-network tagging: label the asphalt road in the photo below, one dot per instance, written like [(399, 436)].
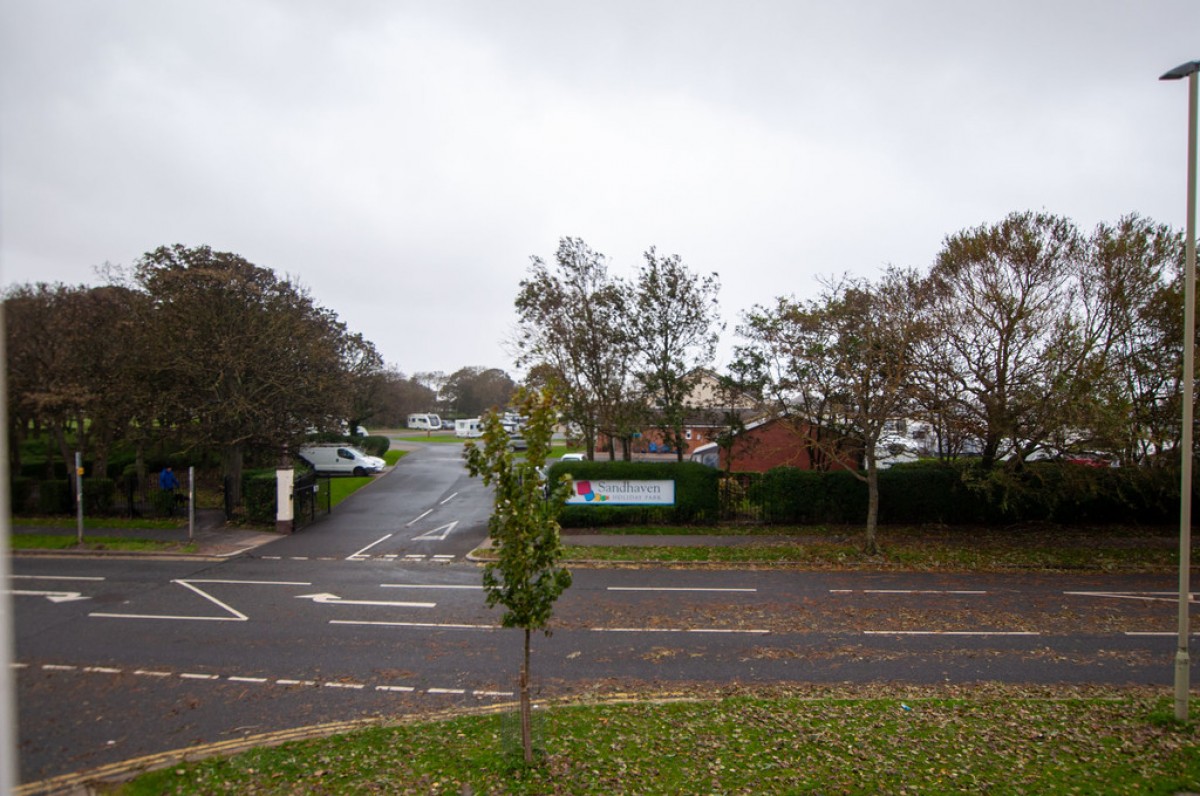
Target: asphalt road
[(375, 611)]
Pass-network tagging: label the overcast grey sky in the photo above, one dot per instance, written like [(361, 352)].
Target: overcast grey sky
[(404, 160)]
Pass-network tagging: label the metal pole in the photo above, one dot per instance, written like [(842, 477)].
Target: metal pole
[(79, 494), (1182, 658), (191, 503), (8, 700)]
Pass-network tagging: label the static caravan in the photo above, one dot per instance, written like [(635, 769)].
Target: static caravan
[(425, 422), (468, 428)]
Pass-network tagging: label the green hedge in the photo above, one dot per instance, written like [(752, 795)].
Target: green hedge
[(258, 495), (696, 499), (54, 497), (963, 493)]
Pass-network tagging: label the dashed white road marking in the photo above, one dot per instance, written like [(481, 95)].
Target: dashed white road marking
[(447, 500), (210, 677)]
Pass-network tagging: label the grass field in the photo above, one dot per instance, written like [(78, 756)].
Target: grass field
[(999, 741)]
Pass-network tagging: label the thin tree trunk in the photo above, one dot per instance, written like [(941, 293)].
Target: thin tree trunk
[(872, 506), (526, 712)]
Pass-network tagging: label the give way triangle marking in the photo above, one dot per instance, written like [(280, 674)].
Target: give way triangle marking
[(438, 534)]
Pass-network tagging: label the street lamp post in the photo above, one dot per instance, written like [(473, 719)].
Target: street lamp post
[(1182, 660)]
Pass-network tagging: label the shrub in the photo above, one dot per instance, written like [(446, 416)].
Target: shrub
[(98, 495), (258, 495)]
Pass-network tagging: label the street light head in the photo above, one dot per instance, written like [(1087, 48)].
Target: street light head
[(1182, 71)]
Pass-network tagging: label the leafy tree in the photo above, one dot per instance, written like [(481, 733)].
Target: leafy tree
[(1135, 270), (525, 577), (676, 327), (571, 321), (401, 396), (470, 391), (70, 351), (1016, 334), (241, 360), (848, 358), (364, 375)]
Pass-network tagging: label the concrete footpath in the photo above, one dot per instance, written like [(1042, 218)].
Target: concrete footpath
[(211, 537), (214, 539)]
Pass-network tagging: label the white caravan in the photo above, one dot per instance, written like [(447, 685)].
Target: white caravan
[(425, 422), (468, 429)]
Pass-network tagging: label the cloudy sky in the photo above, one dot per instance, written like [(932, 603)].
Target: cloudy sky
[(404, 160)]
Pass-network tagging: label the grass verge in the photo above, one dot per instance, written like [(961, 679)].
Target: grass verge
[(137, 523), (1001, 743), (38, 541), (908, 548)]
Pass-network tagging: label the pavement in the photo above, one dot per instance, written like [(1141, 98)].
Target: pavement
[(212, 538)]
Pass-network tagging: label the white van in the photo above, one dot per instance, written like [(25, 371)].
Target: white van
[(425, 421), (468, 429), (340, 460)]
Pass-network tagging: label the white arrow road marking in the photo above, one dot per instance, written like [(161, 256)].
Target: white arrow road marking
[(236, 615), (52, 596), (437, 534), (334, 599)]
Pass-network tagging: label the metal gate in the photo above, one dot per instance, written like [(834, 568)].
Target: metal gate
[(311, 498)]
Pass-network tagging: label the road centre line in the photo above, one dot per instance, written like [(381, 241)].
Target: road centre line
[(676, 630), (447, 500), (1145, 596), (55, 577), (969, 592), (353, 556), (674, 588), (951, 633), (429, 586)]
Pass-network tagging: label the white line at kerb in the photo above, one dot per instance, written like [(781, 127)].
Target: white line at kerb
[(353, 556), (675, 588)]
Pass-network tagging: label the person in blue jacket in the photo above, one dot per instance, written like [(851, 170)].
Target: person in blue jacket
[(168, 483)]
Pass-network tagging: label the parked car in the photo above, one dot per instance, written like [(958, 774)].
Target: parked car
[(573, 457), (340, 460), (517, 443)]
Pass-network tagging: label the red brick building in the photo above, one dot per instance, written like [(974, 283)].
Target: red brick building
[(775, 442)]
